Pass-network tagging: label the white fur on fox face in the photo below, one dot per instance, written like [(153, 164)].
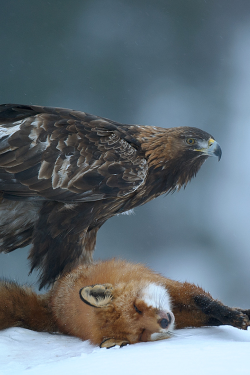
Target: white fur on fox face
[(156, 296)]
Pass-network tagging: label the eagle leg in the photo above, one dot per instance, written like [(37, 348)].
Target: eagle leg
[(61, 240)]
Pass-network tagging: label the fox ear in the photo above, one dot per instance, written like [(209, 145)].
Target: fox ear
[(98, 295)]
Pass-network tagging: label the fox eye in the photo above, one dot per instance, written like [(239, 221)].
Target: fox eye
[(137, 310), (190, 141)]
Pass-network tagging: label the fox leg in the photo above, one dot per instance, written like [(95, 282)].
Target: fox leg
[(219, 314), (193, 307)]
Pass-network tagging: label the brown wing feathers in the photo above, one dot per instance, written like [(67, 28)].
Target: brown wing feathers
[(75, 170)]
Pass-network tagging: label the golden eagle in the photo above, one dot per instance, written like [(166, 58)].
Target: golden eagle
[(63, 173)]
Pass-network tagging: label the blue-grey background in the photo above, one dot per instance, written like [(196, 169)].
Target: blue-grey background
[(154, 62)]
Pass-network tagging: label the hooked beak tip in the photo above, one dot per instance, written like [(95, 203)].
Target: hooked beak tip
[(214, 149)]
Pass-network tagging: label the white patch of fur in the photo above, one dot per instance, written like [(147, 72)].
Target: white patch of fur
[(156, 296)]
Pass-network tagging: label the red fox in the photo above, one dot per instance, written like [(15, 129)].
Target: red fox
[(115, 303)]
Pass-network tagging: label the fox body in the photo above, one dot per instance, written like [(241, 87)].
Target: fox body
[(115, 303)]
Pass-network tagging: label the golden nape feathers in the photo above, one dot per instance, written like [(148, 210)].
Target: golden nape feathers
[(63, 173)]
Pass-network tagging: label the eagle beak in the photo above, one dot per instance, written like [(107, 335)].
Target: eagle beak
[(212, 149)]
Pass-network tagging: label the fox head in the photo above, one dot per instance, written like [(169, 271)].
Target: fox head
[(126, 313)]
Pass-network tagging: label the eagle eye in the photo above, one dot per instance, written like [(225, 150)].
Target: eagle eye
[(137, 310), (190, 141)]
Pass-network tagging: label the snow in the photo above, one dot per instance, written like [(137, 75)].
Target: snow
[(206, 351)]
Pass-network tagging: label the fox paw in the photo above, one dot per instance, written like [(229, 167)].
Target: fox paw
[(98, 295), (110, 343), (242, 321)]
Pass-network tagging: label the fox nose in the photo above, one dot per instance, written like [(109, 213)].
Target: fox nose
[(164, 323)]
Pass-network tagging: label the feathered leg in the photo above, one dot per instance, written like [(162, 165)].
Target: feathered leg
[(61, 227)]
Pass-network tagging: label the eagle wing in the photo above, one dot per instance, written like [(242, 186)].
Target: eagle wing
[(64, 155)]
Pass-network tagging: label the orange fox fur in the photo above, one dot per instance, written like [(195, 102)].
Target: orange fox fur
[(115, 303)]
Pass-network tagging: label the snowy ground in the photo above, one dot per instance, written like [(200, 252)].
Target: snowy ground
[(219, 350)]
